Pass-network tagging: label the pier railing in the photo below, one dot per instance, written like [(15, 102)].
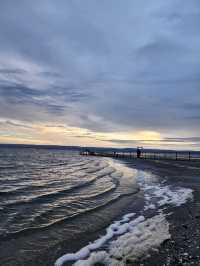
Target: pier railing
[(169, 155)]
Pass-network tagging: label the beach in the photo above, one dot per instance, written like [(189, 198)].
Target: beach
[(183, 248), (183, 245), (134, 211)]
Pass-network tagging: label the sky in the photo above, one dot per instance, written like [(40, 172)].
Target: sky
[(100, 73)]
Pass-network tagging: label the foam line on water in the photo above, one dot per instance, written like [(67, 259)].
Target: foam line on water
[(115, 229), (166, 195), (146, 235)]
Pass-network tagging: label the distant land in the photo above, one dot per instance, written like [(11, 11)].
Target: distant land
[(80, 148)]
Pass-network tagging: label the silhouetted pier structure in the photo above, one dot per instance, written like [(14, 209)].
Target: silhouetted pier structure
[(157, 155)]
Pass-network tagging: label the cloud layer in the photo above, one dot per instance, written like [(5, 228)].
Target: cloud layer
[(102, 66)]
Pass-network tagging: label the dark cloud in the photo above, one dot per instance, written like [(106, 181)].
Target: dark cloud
[(190, 139), (12, 71), (194, 118), (164, 141), (14, 124), (192, 106), (55, 109), (18, 92), (122, 141), (50, 74)]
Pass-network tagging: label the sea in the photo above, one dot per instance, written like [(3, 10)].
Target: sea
[(60, 208)]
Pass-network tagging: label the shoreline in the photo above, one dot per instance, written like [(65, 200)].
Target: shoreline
[(183, 248), (175, 175), (184, 221)]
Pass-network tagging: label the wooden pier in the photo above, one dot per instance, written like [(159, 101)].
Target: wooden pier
[(146, 155)]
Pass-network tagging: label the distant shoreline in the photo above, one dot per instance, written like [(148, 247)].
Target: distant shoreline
[(80, 148)]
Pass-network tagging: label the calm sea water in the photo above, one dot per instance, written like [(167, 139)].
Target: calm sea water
[(41, 188)]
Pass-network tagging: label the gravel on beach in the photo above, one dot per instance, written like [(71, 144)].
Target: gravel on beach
[(183, 248)]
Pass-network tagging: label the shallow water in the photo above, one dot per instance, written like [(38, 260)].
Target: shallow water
[(40, 187), (43, 190)]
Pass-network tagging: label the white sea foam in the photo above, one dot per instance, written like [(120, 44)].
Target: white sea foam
[(159, 194), (117, 228), (165, 195), (176, 197), (96, 257), (134, 235), (129, 228), (141, 238)]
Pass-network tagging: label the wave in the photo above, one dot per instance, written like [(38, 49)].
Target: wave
[(98, 170), (46, 196), (49, 197), (27, 231)]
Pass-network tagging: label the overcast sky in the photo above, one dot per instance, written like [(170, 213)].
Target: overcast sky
[(100, 72)]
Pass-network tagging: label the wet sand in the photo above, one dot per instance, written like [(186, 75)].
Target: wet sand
[(184, 246)]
